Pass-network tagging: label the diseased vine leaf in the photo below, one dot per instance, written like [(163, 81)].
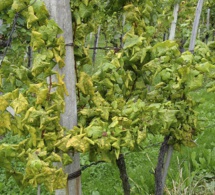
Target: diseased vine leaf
[(5, 121), (20, 104), (4, 104), (85, 84), (78, 142), (31, 18), (37, 41)]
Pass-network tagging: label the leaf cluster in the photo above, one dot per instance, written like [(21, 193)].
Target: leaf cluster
[(142, 90), (30, 107)]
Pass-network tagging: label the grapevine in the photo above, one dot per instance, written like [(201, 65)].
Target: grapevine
[(37, 104)]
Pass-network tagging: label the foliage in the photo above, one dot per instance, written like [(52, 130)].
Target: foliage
[(143, 88), (24, 89)]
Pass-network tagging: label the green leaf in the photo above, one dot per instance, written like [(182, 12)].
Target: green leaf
[(94, 131), (131, 41), (116, 144), (165, 48), (66, 159), (187, 57), (195, 83), (83, 9), (18, 177), (204, 67), (168, 116), (41, 11), (211, 89), (140, 55), (86, 2), (5, 4), (141, 135), (107, 83), (40, 64)]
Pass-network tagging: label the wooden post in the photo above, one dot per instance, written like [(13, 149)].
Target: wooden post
[(96, 43), (60, 11), (174, 22), (207, 26), (195, 26)]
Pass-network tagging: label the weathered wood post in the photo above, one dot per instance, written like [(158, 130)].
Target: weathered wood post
[(60, 11), (195, 26)]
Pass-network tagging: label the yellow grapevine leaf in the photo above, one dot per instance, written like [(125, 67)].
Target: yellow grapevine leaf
[(20, 104), (116, 144), (98, 100), (62, 86), (36, 40), (5, 120), (61, 144), (141, 135), (42, 96), (60, 179), (117, 153), (39, 64), (128, 7), (40, 10), (85, 84), (34, 88), (86, 2), (31, 17), (89, 140), (61, 45), (58, 58), (3, 103), (53, 158), (104, 143), (18, 5), (78, 143)]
